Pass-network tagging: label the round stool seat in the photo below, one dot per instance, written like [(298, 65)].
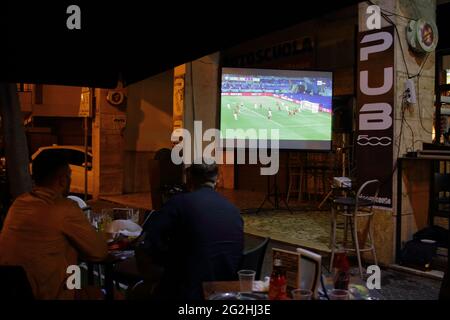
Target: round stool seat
[(351, 202)]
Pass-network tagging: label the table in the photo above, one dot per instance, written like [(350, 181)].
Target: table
[(357, 287), (358, 290), (215, 287), (108, 264)]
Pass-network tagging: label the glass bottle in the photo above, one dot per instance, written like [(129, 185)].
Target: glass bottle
[(341, 271), (277, 286)]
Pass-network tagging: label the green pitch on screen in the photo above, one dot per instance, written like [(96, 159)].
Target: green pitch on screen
[(304, 125)]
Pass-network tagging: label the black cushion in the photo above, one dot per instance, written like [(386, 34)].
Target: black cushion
[(348, 201)]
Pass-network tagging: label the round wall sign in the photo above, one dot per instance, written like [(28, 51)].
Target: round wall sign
[(422, 35)]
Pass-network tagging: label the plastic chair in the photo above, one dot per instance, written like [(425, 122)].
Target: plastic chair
[(354, 208), (253, 259), (83, 205), (310, 270)]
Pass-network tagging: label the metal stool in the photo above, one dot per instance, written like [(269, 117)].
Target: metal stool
[(296, 176), (353, 208)]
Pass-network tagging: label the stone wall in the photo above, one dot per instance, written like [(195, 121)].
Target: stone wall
[(107, 146)]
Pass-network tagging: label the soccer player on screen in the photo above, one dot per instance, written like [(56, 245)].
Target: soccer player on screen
[(269, 114), (235, 114)]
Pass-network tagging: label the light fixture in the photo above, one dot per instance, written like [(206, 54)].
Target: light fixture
[(115, 97)]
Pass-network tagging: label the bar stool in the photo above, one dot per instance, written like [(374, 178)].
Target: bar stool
[(296, 176), (352, 209)]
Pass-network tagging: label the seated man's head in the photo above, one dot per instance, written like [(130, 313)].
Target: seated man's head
[(51, 170), (203, 174)]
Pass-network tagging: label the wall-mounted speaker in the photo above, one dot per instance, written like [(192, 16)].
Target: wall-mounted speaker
[(343, 114)]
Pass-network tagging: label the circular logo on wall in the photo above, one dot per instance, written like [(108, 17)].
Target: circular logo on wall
[(115, 97), (422, 35), (427, 35)]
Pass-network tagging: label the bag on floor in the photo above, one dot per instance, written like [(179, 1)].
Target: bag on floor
[(418, 254), (436, 233)]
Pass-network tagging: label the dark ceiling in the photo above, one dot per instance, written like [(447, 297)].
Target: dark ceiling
[(443, 23), (130, 38)]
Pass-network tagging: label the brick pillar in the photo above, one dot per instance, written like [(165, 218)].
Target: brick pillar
[(108, 144), (201, 101)]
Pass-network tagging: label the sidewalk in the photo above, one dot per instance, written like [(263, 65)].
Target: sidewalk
[(133, 200)]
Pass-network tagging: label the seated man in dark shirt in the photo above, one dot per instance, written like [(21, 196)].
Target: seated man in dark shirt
[(196, 237)]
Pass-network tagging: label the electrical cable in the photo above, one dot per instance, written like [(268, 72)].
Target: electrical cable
[(419, 107), (399, 42), (403, 120), (407, 70), (412, 133), (421, 67), (388, 179), (391, 13)]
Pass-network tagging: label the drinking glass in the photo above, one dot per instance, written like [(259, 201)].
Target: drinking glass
[(133, 215), (246, 279), (301, 294), (339, 294)]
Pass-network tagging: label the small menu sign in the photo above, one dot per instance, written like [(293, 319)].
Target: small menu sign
[(291, 262)]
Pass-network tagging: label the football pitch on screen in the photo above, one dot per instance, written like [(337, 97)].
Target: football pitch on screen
[(303, 125)]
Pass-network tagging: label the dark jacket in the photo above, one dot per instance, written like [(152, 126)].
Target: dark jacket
[(196, 237)]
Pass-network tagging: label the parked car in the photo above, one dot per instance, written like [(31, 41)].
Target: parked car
[(75, 155)]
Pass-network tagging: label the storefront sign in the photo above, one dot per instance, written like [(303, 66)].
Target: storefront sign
[(85, 103), (375, 105), (282, 51), (178, 103)]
